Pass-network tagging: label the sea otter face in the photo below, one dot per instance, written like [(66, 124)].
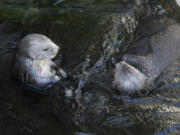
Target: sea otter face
[(37, 47), (128, 79)]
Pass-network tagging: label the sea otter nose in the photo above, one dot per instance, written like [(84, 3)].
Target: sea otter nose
[(56, 48)]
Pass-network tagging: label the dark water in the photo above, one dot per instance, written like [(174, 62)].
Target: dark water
[(89, 37)]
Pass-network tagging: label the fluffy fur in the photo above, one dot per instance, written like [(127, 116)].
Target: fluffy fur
[(33, 63)]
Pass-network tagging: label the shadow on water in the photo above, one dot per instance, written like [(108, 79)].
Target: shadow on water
[(86, 102)]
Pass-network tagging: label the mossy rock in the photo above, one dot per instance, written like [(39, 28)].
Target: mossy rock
[(17, 12)]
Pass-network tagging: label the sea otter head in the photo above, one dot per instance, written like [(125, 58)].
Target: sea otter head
[(37, 47), (128, 79)]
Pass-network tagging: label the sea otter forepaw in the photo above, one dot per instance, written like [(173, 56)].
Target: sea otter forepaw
[(62, 73), (56, 79)]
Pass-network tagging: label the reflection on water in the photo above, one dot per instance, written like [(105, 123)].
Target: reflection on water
[(89, 38)]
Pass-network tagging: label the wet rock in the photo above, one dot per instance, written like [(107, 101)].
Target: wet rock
[(114, 31)]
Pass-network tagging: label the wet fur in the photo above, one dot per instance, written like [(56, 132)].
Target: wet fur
[(149, 55), (33, 63)]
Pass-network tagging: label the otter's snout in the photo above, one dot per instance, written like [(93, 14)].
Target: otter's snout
[(54, 50), (128, 78)]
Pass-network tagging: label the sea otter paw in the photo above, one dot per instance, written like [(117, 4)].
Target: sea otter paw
[(56, 79), (62, 73)]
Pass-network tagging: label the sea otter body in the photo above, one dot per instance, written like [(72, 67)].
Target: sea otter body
[(33, 63), (147, 58)]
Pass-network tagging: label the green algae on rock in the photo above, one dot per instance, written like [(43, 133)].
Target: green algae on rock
[(17, 12)]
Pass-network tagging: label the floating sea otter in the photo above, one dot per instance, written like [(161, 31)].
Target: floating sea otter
[(33, 63), (147, 58)]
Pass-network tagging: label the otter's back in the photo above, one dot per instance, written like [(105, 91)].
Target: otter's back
[(166, 46)]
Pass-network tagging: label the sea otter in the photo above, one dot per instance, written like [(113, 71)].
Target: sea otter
[(147, 58), (33, 63)]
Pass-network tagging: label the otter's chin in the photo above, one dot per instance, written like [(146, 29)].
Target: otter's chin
[(129, 79)]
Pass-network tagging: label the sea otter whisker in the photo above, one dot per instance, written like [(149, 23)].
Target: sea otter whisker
[(165, 78), (8, 48), (170, 86), (4, 53)]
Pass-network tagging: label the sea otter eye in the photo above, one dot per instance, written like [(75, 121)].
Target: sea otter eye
[(45, 49)]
